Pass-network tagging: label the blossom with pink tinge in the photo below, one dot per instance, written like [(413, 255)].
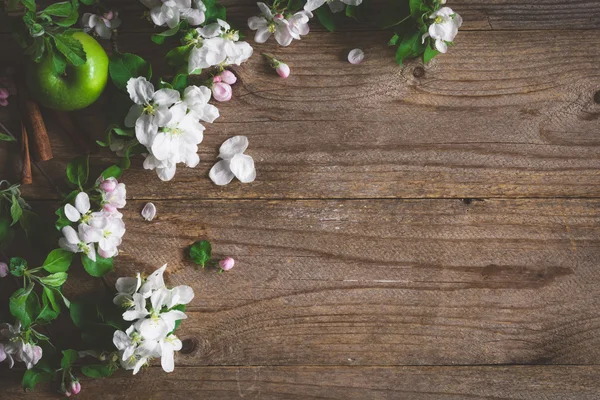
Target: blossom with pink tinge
[(227, 263), (222, 91)]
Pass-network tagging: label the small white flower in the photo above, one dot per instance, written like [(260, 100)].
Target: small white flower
[(105, 229), (149, 211), (102, 25), (334, 5), (81, 210), (126, 287), (138, 308), (234, 163), (154, 282), (125, 343), (114, 198), (444, 28), (171, 12), (168, 347), (217, 44), (151, 109), (196, 98), (73, 242)]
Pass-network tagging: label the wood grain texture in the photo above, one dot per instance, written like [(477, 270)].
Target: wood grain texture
[(472, 126), (341, 383), (381, 282)]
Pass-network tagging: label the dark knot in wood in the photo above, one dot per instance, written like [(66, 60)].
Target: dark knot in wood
[(597, 97), (419, 72), (188, 345)]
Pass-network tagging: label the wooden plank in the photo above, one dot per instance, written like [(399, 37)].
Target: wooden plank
[(477, 15), (492, 118), (342, 383), (383, 282)]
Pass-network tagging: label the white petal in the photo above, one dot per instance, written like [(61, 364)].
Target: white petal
[(336, 6), (166, 173), (154, 329), (210, 114), (242, 166), (71, 213), (167, 357), (149, 212), (134, 113), (103, 31), (220, 173), (441, 46), (312, 5), (166, 97), (262, 35), (71, 235), (145, 129), (82, 202), (153, 282), (140, 90), (265, 10), (255, 23), (283, 36), (232, 146), (356, 56), (180, 295), (170, 317), (121, 340), (64, 244), (159, 299), (126, 285)]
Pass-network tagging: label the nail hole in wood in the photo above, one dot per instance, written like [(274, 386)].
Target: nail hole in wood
[(597, 97), (467, 201), (188, 345), (419, 72)]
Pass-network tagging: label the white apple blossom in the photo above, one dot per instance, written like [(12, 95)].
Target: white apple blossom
[(113, 194), (102, 25), (81, 211), (171, 12), (176, 142), (126, 287), (196, 98), (151, 109), (284, 30), (151, 308), (217, 44), (15, 348), (334, 5), (107, 230), (444, 28), (234, 162), (73, 242)]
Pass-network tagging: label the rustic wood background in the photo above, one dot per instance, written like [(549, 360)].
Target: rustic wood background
[(427, 232)]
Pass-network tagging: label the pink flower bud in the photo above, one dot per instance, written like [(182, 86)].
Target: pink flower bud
[(67, 393), (3, 270), (3, 102), (4, 93), (278, 16), (217, 79), (221, 91), (228, 77), (109, 15), (75, 387), (109, 185), (227, 263), (283, 70)]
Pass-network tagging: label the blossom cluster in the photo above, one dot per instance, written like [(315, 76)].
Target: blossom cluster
[(98, 231), (171, 12), (169, 125), (103, 25), (153, 310), (217, 44), (444, 28), (284, 28), (13, 347)]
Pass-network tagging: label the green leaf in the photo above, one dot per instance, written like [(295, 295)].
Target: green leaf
[(418, 8), (68, 21), (17, 266), (160, 38), (46, 315), (34, 376), (6, 138), (78, 170), (326, 18), (82, 312), (112, 172), (98, 268), (15, 210), (30, 4), (58, 260), (88, 2), (24, 306), (48, 297), (214, 11), (59, 63), (123, 132), (55, 280), (179, 55), (201, 252), (71, 48), (180, 82), (123, 67), (97, 371), (62, 220), (395, 40), (63, 9), (429, 54), (410, 47), (68, 358)]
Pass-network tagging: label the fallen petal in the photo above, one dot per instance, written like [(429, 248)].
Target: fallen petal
[(149, 212)]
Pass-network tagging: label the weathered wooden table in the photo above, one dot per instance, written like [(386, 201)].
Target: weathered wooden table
[(413, 233)]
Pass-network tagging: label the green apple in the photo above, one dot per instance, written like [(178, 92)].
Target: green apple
[(78, 87)]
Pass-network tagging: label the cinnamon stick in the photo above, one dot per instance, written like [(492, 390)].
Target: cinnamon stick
[(26, 177), (65, 121), (34, 123)]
